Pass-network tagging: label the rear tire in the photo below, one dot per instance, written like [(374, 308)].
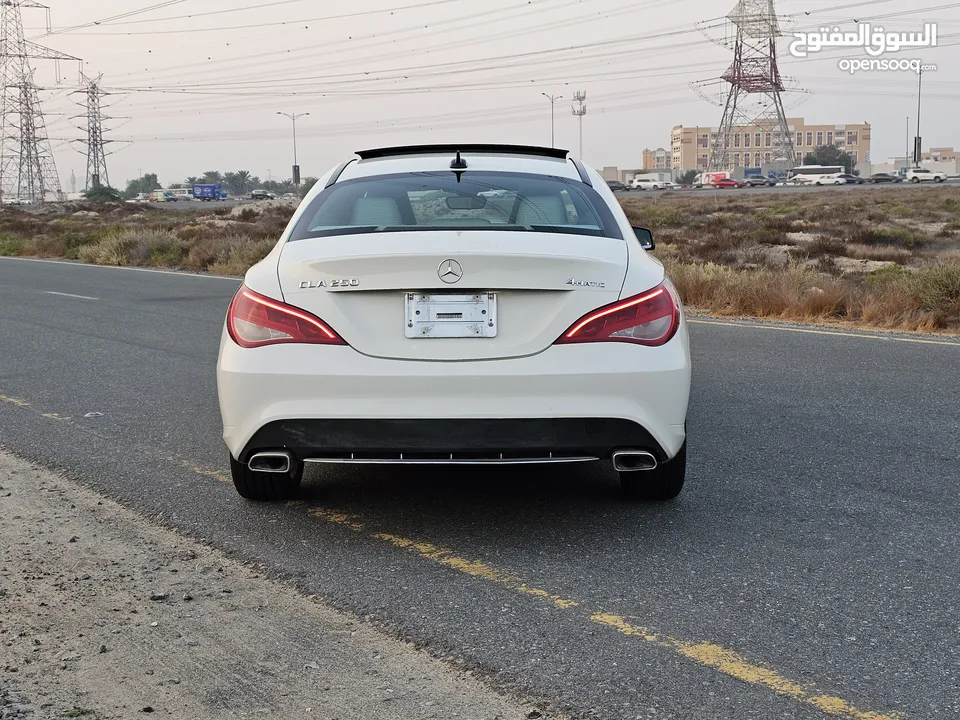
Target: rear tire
[(662, 483), (265, 486)]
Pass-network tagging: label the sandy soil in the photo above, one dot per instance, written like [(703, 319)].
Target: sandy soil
[(103, 615)]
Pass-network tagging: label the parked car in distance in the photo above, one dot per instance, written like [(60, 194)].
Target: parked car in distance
[(617, 186), (721, 183), (758, 181), (884, 177), (289, 196), (262, 195), (918, 174), (169, 197), (639, 183), (669, 185), (853, 179)]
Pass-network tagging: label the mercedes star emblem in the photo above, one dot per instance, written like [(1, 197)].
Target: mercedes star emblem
[(450, 271)]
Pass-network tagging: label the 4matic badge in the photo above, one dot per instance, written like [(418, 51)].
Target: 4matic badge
[(585, 283)]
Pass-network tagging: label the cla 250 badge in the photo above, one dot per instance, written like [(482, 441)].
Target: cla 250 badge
[(310, 284), (585, 283)]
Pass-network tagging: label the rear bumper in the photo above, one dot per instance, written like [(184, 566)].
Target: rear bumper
[(325, 401), (461, 440)]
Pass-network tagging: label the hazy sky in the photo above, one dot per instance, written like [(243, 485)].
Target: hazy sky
[(198, 83)]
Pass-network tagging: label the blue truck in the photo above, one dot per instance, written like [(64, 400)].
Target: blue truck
[(209, 192)]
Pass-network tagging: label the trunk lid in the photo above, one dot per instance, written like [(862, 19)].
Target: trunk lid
[(361, 285)]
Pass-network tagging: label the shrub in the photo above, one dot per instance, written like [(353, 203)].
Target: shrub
[(238, 253), (936, 288), (655, 216), (136, 246), (10, 246), (897, 236), (247, 215)]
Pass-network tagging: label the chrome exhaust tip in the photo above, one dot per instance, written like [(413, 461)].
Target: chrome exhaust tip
[(278, 461), (633, 461)]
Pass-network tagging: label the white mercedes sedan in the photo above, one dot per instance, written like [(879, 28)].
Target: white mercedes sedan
[(457, 305)]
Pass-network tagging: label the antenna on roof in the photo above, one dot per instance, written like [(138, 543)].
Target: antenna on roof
[(458, 164)]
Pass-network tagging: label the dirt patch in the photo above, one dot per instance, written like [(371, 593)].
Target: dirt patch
[(105, 616)]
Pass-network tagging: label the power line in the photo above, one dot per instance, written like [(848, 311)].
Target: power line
[(131, 13), (323, 18)]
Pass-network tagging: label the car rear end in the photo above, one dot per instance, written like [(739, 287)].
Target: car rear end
[(416, 311)]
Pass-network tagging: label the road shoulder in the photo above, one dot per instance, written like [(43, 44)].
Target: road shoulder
[(105, 615)]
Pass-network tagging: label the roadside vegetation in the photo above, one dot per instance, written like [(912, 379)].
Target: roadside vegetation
[(887, 258), (883, 257)]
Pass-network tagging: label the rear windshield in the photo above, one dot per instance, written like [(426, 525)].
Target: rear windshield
[(478, 200)]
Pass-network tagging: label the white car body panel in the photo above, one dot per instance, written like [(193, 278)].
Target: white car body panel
[(382, 374), (650, 386)]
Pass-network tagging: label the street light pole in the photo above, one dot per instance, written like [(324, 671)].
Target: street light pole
[(552, 99), (916, 151), (579, 111), (296, 168), (906, 147)]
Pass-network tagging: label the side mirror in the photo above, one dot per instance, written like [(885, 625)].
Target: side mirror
[(645, 237)]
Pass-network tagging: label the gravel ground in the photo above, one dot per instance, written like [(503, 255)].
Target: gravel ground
[(106, 615)]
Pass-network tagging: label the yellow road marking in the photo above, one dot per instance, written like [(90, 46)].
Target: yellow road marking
[(14, 401), (735, 665), (343, 519), (726, 661), (473, 567), (215, 474), (839, 333)]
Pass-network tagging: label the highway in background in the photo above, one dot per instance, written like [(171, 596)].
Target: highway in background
[(809, 570)]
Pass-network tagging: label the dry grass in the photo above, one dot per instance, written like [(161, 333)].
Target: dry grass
[(809, 256), (798, 256)]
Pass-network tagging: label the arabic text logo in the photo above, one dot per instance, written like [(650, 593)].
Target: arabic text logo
[(875, 41)]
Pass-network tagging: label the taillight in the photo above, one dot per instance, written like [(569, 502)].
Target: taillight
[(254, 320), (651, 318)]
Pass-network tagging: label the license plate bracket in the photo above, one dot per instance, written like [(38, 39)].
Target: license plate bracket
[(451, 315)]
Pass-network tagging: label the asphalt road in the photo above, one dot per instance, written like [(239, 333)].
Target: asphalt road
[(809, 570)]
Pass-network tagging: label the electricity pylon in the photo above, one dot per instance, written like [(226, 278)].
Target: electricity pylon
[(27, 168), (754, 100)]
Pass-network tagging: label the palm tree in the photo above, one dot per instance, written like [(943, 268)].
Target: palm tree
[(230, 182), (191, 181), (212, 177), (243, 179), (255, 182)]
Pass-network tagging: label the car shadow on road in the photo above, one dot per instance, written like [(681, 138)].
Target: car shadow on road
[(513, 505)]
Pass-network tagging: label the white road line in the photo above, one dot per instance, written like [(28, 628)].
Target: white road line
[(79, 297), (122, 267), (811, 331)]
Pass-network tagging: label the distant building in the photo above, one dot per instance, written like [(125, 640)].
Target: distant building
[(690, 146), (939, 154), (658, 159), (610, 172)]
